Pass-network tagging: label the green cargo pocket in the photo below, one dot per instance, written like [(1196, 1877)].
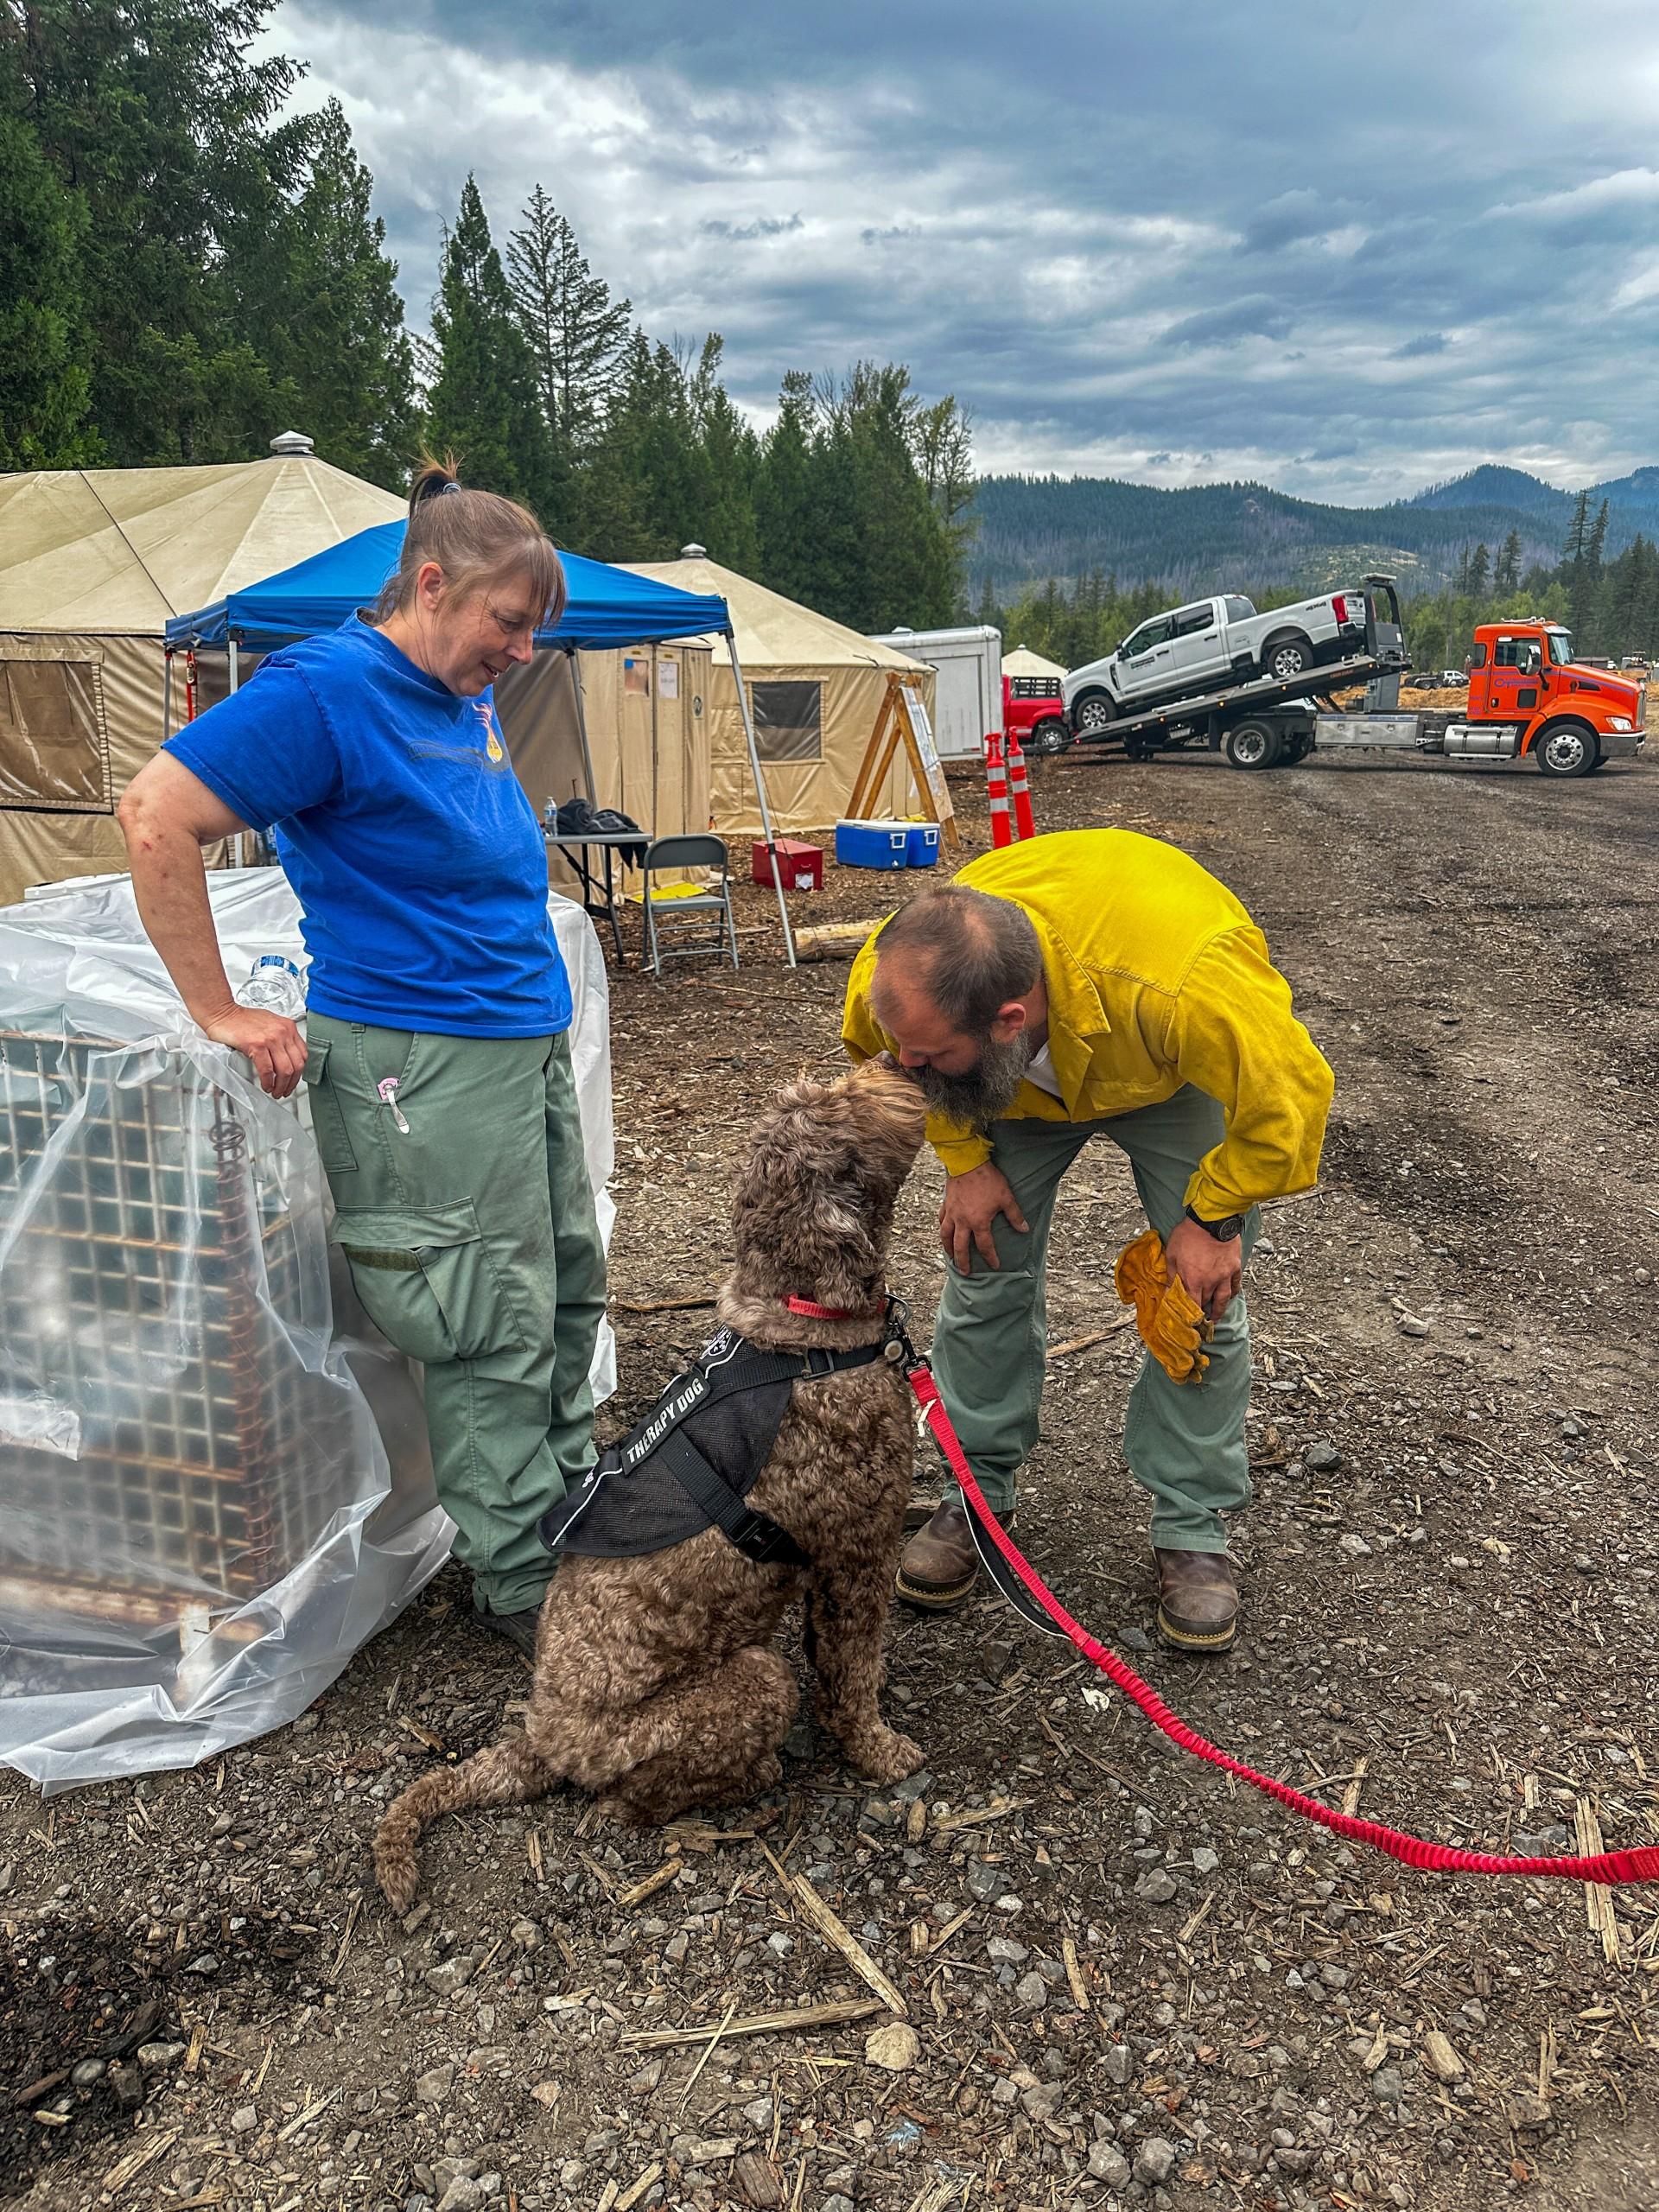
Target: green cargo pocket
[(327, 1116), (428, 1282)]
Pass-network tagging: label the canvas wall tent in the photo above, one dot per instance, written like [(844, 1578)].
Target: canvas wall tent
[(646, 713), (1023, 662), (642, 709), (93, 564), (814, 690)]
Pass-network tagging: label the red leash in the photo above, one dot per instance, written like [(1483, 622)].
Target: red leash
[(1608, 1866)]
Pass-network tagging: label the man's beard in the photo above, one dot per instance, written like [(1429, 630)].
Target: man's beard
[(985, 1093)]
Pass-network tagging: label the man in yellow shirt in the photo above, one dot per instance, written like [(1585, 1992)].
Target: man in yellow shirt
[(1095, 982)]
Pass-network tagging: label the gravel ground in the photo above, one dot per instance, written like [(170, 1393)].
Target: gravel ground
[(1125, 1981)]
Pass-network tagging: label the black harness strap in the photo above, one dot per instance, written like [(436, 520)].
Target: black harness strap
[(661, 1485), (756, 1535)]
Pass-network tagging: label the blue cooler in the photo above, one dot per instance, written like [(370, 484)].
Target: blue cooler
[(922, 845), (873, 844)]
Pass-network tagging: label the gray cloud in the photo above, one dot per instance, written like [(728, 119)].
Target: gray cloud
[(1102, 250), (764, 227), (1260, 315), (1303, 213)]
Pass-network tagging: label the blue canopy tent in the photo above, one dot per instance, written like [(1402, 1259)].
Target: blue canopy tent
[(607, 608)]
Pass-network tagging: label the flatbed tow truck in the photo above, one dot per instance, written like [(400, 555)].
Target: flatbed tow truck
[(1528, 701)]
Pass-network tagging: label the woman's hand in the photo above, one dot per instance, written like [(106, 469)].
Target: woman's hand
[(271, 1041)]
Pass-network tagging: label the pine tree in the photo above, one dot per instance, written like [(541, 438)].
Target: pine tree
[(730, 456), (319, 301), (1506, 576), (1627, 592), (1479, 568), (1595, 544), (783, 511), (675, 489), (158, 114), (45, 344), (944, 446), (484, 406), (576, 333), (886, 556), (612, 488), (1583, 583), (1578, 536)]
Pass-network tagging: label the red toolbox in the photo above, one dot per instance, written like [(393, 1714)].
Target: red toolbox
[(800, 865)]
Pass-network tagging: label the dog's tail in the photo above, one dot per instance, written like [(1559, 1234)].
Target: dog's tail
[(507, 1773)]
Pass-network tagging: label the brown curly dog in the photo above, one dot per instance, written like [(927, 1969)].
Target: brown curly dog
[(656, 1680)]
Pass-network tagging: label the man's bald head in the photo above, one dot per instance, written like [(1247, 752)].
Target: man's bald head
[(971, 953), (958, 986)]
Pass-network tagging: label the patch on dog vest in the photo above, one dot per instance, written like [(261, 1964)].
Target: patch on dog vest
[(690, 1464)]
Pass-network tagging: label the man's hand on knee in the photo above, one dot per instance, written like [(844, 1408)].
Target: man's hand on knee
[(1213, 1273), (972, 1202)]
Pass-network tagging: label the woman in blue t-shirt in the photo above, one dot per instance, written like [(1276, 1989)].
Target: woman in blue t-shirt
[(436, 1050)]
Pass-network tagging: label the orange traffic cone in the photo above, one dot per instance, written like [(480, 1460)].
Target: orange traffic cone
[(996, 790), (1025, 822)]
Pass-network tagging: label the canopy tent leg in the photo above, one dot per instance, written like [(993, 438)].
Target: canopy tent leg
[(167, 694), (575, 660), (237, 845), (760, 793)]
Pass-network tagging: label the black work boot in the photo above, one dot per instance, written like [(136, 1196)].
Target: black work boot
[(1197, 1600), (939, 1566), (520, 1629)]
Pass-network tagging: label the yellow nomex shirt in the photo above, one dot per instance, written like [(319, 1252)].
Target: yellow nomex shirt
[(1156, 977)]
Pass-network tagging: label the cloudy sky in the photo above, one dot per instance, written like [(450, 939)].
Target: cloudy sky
[(1346, 250)]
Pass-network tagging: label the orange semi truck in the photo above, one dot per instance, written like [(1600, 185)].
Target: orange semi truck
[(1528, 700)]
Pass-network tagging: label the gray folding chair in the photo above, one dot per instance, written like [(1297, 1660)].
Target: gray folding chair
[(696, 906)]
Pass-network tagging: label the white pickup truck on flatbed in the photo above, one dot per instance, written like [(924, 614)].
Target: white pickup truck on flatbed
[(1208, 645)]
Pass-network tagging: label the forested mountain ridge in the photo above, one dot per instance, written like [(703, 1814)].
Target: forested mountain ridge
[(1217, 536)]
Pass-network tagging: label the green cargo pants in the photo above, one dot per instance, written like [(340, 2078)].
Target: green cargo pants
[(464, 1211), (1184, 1442)]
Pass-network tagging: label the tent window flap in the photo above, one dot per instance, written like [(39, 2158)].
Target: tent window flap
[(788, 721), (54, 745)]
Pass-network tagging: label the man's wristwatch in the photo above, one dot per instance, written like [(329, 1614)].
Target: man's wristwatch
[(1223, 1230)]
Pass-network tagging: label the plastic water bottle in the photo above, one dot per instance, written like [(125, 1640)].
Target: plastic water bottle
[(275, 985)]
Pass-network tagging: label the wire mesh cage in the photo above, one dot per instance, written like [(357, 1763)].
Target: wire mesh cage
[(215, 1485), (163, 1454)]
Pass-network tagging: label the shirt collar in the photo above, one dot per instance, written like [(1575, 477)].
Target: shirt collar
[(1075, 1013)]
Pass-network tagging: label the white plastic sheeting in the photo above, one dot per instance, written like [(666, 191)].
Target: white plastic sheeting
[(214, 1485)]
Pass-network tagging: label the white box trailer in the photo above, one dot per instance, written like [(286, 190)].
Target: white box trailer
[(968, 704)]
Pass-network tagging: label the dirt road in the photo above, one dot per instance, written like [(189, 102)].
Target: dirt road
[(1130, 1983)]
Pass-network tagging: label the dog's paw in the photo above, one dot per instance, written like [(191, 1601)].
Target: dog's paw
[(887, 1756), (765, 1773), (626, 1812)]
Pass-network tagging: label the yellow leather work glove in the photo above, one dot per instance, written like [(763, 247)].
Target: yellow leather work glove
[(1142, 1279), (1169, 1320)]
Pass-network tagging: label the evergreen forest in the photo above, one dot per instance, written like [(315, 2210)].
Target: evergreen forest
[(190, 261)]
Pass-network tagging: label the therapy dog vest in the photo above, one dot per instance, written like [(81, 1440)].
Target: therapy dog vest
[(690, 1464)]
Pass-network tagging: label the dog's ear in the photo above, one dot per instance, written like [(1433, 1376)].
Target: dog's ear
[(836, 1219)]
